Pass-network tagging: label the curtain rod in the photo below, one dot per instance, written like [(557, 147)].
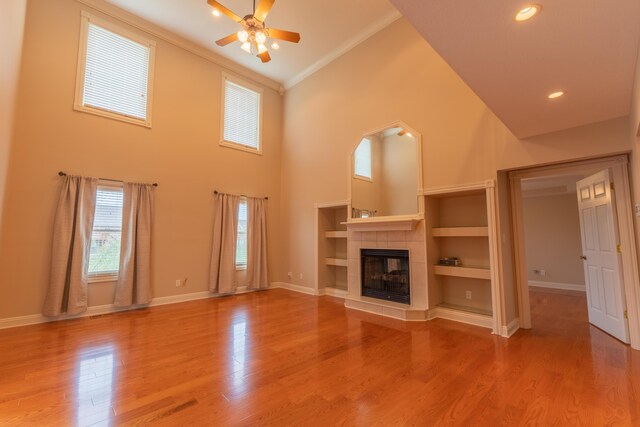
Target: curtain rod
[(241, 195), (155, 184)]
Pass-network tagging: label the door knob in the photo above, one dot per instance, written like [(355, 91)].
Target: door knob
[(582, 257)]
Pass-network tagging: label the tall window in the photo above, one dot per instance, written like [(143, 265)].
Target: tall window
[(241, 115), (362, 160), (115, 69), (104, 257), (241, 244)]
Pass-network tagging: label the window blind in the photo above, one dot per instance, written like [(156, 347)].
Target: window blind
[(241, 115), (104, 255), (362, 159), (116, 73), (241, 245)]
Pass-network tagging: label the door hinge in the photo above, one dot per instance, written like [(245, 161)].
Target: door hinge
[(626, 314), (612, 186), (619, 249)]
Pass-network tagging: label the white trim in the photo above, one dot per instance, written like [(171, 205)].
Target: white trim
[(490, 183), (295, 288), (348, 45), (461, 316), (33, 319), (78, 104), (386, 309), (556, 285), (507, 331), (334, 292), (177, 41)]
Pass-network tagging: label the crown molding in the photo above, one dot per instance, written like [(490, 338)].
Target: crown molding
[(171, 38), (351, 43)]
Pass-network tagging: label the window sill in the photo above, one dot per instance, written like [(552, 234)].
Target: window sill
[(102, 278), (112, 115), (362, 178), (241, 147), (241, 267)]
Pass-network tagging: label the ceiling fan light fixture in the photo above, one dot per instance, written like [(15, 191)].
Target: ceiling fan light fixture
[(261, 38), (528, 12), (246, 46), (243, 36), (261, 48)]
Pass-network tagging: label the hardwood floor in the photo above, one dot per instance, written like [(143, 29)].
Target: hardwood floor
[(283, 358)]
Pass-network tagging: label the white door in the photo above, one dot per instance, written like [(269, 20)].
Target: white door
[(602, 269)]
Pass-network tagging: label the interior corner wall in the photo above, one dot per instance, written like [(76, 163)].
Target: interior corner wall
[(11, 32), (180, 152), (552, 240)]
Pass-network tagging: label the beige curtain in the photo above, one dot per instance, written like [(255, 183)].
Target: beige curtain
[(257, 271), (72, 227), (223, 252), (134, 278)]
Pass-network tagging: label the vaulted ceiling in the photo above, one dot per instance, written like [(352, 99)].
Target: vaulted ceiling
[(586, 48)]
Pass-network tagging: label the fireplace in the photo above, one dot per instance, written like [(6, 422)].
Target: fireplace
[(385, 274)]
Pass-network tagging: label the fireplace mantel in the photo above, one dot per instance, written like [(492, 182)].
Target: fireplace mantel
[(384, 223)]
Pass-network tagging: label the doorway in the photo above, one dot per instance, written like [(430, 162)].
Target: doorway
[(542, 190)]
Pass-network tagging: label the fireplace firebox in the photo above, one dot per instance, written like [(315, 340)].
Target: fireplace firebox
[(385, 274)]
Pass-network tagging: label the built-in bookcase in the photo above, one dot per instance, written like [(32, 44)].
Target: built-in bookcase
[(460, 223), (331, 238)]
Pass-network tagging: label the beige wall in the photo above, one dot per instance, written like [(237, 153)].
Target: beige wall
[(463, 141), (180, 152), (11, 31), (552, 238), (400, 175)]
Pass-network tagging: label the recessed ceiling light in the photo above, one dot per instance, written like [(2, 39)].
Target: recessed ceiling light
[(215, 12), (275, 45), (409, 134), (528, 12), (555, 95)]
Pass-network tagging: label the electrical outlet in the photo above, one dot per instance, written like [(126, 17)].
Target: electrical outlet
[(301, 276), (290, 275), (637, 206), (178, 283), (468, 294)]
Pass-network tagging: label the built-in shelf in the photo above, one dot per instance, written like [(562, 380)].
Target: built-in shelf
[(381, 223), (336, 261), (460, 232), (335, 234), (468, 309), (468, 272)]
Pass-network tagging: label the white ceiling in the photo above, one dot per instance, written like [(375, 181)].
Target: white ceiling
[(588, 48), (328, 28)]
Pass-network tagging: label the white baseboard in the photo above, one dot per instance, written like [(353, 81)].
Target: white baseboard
[(461, 316), (96, 310), (295, 288), (508, 330), (555, 285), (334, 292)]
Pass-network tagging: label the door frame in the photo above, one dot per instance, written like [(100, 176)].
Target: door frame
[(619, 166)]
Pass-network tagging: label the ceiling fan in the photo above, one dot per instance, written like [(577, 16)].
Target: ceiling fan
[(253, 34)]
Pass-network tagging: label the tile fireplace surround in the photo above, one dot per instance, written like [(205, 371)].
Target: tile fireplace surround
[(414, 242)]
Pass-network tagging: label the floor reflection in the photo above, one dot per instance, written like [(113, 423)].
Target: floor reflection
[(240, 351), (95, 385)]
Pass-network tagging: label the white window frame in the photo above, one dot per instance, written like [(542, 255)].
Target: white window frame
[(78, 103), (246, 236), (361, 177), (102, 277), (250, 86)]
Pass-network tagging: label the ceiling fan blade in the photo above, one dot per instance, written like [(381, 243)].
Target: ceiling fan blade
[(287, 36), (265, 57), (214, 4), (226, 40), (263, 9)]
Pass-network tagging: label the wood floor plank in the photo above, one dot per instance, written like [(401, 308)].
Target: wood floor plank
[(283, 358)]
